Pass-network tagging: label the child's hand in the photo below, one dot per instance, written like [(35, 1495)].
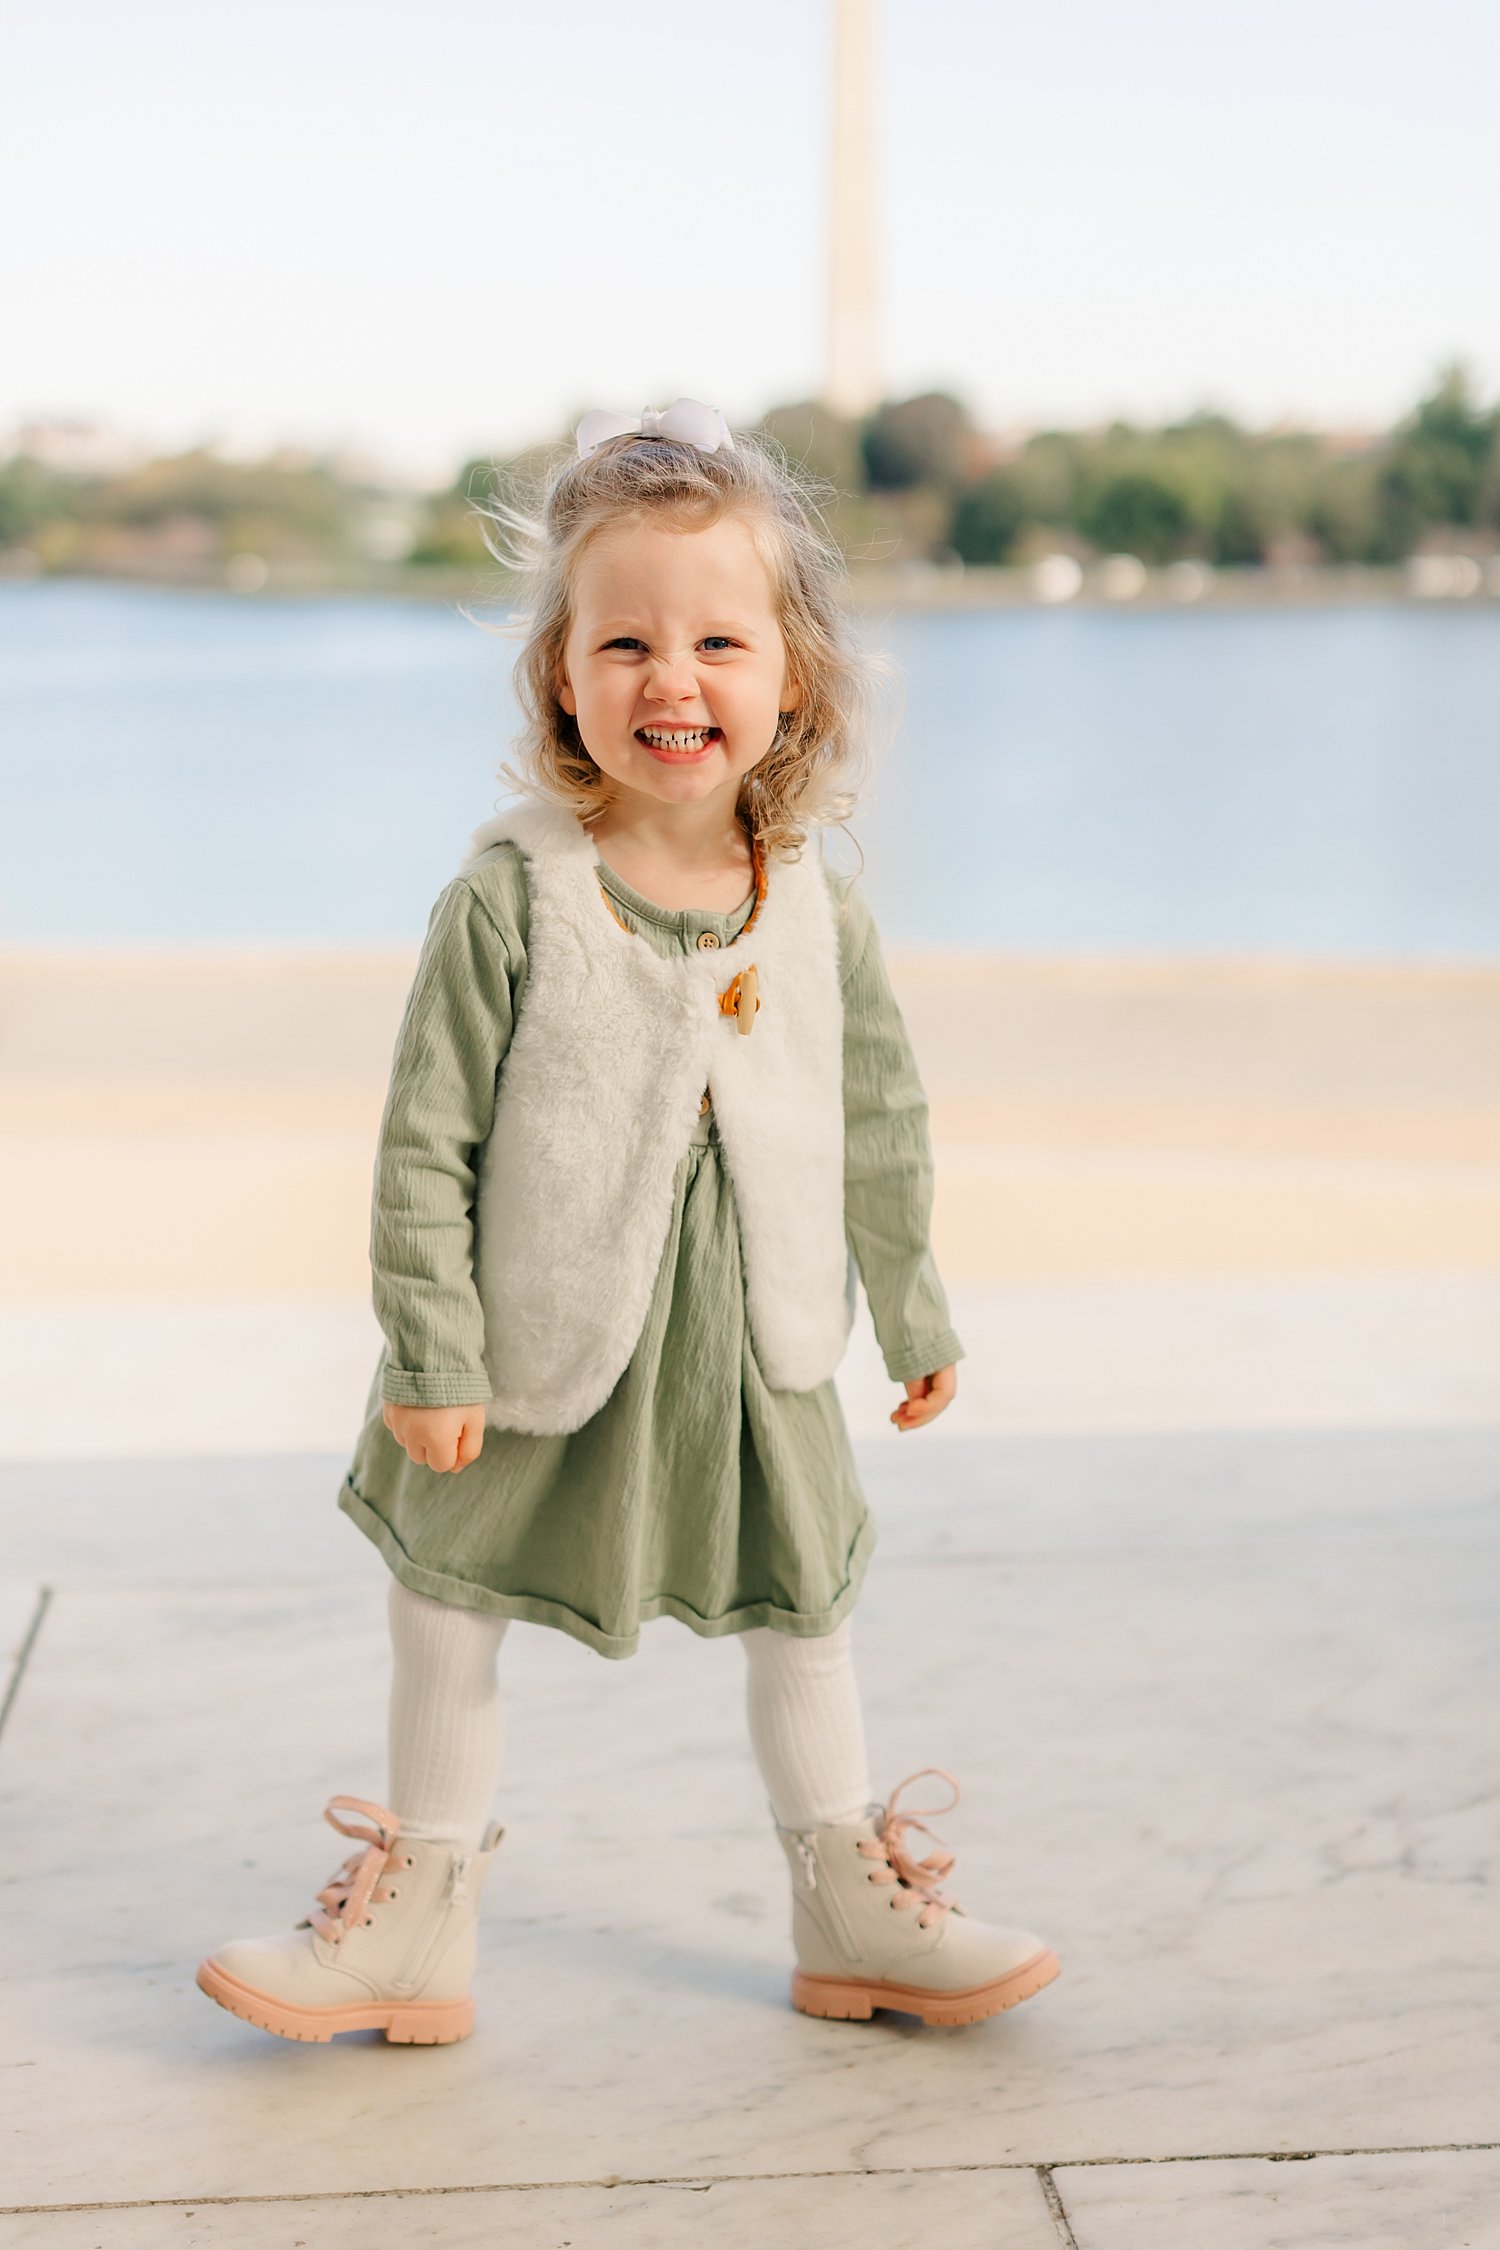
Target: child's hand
[(926, 1396), (437, 1437)]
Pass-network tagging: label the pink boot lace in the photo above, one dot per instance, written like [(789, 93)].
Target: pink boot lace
[(344, 1897), (919, 1877)]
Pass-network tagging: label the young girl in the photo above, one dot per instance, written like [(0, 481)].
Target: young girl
[(652, 1103)]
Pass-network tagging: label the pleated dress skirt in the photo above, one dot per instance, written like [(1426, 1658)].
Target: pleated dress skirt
[(695, 1492)]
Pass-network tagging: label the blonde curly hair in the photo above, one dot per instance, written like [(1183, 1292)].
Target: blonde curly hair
[(538, 530)]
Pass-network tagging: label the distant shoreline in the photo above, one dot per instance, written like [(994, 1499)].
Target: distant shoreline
[(1422, 582)]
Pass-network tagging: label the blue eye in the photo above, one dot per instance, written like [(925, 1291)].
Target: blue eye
[(629, 640)]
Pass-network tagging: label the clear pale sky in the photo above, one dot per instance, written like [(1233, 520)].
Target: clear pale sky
[(442, 228)]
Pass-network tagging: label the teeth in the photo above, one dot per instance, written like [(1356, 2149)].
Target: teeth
[(667, 738)]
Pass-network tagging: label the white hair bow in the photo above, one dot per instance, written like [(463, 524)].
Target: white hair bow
[(686, 418)]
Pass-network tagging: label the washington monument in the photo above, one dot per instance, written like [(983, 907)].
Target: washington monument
[(852, 383)]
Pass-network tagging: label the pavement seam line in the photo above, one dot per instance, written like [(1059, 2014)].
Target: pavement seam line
[(23, 1654), (1054, 2202), (737, 2179)]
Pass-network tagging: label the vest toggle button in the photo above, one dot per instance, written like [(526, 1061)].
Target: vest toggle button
[(741, 999)]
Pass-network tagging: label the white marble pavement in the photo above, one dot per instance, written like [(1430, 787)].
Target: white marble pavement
[(1222, 1708)]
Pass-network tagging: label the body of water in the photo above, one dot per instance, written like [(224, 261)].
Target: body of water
[(184, 767)]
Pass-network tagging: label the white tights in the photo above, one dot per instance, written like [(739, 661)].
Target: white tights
[(446, 1734)]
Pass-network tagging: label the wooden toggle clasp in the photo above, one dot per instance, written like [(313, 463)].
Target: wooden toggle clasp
[(741, 999)]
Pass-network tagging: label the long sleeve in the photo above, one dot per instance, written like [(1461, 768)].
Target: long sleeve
[(457, 1025), (888, 1171)]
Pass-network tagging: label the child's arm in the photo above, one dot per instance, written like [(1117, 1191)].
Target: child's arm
[(441, 1103), (888, 1177)]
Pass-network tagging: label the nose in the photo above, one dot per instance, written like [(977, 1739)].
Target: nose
[(671, 678)]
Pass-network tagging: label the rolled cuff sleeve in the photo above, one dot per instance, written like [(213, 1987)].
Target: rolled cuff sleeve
[(924, 1359), (402, 1386)]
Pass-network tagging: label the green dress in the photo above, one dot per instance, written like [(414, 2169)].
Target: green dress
[(695, 1491)]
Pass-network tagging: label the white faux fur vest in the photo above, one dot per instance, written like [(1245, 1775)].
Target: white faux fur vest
[(598, 1095)]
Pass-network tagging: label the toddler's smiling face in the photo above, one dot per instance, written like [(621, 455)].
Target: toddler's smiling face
[(675, 640)]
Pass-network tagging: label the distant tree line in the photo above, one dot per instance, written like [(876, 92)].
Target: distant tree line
[(191, 510), (916, 479)]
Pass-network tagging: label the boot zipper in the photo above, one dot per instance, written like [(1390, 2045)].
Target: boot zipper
[(455, 1889), (832, 1909)]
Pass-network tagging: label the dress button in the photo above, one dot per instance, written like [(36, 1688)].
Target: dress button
[(707, 938)]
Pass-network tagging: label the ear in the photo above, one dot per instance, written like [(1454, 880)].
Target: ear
[(564, 693)]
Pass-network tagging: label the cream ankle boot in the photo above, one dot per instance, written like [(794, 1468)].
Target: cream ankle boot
[(389, 1946), (872, 1930)]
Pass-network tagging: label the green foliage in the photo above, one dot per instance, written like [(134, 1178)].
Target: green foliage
[(1342, 508), (1239, 532), (450, 532), (911, 479), (825, 444), (30, 496), (987, 517), (450, 537), (1136, 512), (1439, 467), (1048, 473), (917, 441), (289, 503)]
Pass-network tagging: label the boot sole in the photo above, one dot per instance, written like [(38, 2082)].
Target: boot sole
[(854, 2000), (411, 2023)]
